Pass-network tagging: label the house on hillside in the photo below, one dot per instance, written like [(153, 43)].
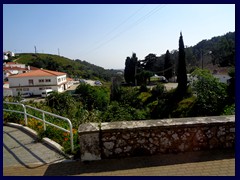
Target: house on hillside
[(13, 68), (223, 78), (8, 54), (37, 80)]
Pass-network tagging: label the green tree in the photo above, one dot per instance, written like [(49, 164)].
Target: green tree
[(181, 71), (149, 62), (130, 70), (211, 94), (61, 103), (168, 66), (93, 97)]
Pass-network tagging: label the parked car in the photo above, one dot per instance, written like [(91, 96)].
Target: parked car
[(46, 92), (98, 83), (26, 94)]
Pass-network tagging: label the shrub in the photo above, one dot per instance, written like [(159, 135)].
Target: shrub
[(229, 110), (211, 94), (184, 108), (93, 97)]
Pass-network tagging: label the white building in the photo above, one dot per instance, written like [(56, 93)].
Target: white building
[(8, 54), (37, 80), (6, 90), (223, 78), (12, 68)]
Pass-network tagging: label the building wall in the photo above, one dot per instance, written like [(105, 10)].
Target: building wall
[(15, 65), (39, 83), (222, 78), (136, 138), (7, 92)]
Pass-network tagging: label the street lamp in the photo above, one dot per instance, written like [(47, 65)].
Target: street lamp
[(209, 52)]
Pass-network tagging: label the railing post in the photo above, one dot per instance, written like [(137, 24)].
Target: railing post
[(71, 135), (25, 114), (44, 124)]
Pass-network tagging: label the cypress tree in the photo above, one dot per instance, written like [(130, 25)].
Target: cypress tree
[(181, 71), (168, 66)]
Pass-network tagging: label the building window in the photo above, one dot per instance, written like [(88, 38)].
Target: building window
[(41, 89), (30, 81), (59, 79), (47, 80), (25, 89), (19, 89), (41, 80)]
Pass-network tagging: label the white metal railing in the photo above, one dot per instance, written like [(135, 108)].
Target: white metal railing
[(42, 119)]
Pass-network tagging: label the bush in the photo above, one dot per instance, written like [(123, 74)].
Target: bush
[(93, 97), (229, 110), (211, 94), (184, 108)]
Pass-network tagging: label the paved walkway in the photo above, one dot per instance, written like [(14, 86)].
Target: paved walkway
[(24, 157)]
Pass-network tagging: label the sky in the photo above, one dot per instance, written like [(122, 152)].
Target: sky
[(105, 34)]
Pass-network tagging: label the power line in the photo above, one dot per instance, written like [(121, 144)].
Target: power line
[(153, 11), (116, 27)]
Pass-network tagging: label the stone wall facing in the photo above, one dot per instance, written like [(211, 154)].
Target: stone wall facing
[(136, 138)]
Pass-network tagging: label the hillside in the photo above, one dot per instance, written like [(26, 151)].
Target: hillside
[(217, 53), (74, 68)]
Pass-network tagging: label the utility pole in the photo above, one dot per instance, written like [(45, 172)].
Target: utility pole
[(135, 73), (58, 52), (35, 49)]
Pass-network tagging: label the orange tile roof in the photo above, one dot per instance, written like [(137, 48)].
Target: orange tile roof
[(12, 63), (14, 68), (39, 73), (69, 79)]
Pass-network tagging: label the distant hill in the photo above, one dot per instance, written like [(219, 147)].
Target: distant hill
[(74, 68), (217, 53)]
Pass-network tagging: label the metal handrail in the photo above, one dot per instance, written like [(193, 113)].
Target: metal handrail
[(43, 119)]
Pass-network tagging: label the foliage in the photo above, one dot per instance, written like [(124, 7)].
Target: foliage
[(74, 68), (229, 110), (143, 77), (211, 94), (119, 112), (158, 90), (61, 103), (168, 66), (116, 88), (93, 97), (130, 69), (184, 108), (149, 62)]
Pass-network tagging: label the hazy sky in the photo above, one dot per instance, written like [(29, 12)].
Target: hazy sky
[(105, 35)]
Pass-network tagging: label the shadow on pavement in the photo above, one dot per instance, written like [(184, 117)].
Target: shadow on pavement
[(25, 151), (78, 167)]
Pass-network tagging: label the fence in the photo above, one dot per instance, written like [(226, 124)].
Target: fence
[(26, 114)]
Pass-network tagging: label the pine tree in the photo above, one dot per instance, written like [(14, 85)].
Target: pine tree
[(181, 71)]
